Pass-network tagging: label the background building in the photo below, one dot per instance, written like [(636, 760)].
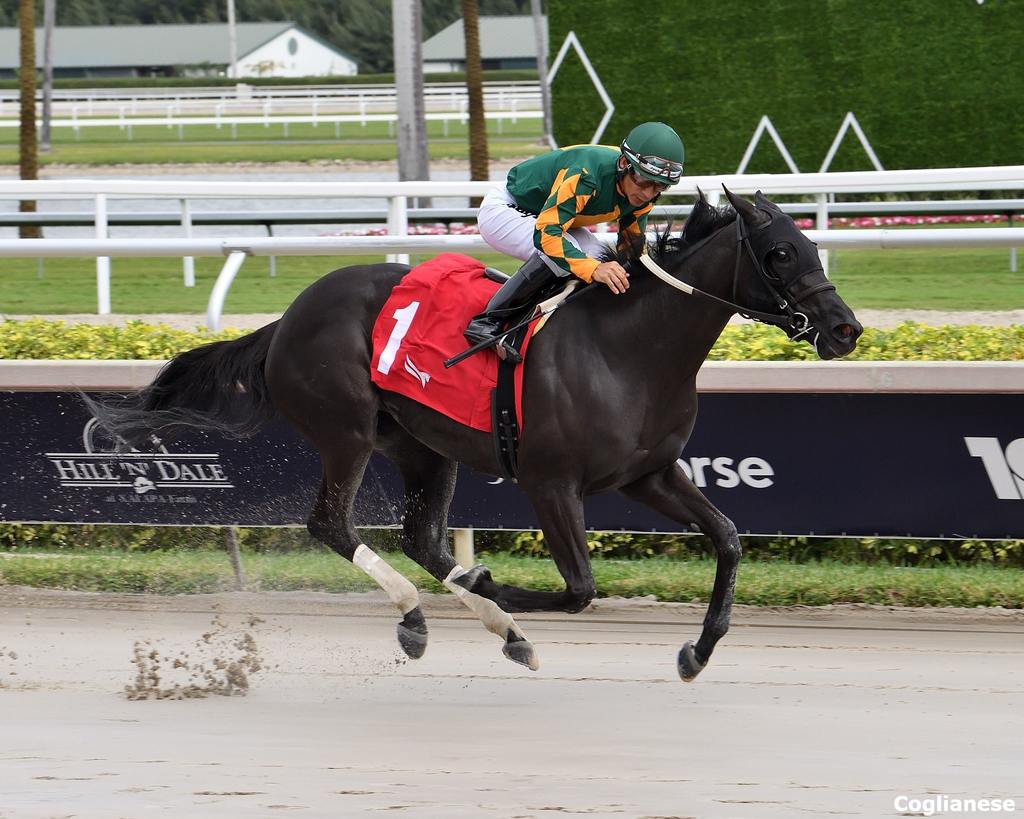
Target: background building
[(505, 42), (264, 50)]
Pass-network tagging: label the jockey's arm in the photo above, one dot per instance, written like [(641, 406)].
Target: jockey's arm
[(569, 195)]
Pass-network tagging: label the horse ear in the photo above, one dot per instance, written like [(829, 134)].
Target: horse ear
[(750, 214), (765, 203), (698, 224)]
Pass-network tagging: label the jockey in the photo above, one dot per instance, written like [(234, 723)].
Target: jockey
[(541, 213)]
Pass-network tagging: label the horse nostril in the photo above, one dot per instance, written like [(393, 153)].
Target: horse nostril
[(844, 330)]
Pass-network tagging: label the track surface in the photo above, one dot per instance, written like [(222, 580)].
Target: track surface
[(812, 712)]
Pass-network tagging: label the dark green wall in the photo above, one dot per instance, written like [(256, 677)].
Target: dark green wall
[(933, 83)]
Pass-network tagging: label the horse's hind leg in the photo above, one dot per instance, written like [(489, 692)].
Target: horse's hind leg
[(331, 522), (429, 485), (673, 494)]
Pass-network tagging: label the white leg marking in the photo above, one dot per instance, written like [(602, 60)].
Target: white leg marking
[(401, 592), (494, 618)]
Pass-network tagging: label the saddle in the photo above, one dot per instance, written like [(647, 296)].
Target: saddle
[(420, 326), (504, 420)]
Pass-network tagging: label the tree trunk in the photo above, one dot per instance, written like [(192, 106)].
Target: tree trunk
[(29, 149), (475, 91)]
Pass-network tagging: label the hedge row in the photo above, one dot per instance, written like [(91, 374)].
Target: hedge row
[(929, 82), (39, 339), (622, 545)]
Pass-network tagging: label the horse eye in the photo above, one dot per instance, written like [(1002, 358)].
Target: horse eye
[(780, 254)]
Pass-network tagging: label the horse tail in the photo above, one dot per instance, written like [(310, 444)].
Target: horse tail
[(220, 386)]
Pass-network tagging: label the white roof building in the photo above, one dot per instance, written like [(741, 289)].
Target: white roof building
[(505, 42), (264, 50)]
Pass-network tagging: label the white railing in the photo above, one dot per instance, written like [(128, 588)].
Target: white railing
[(265, 120), (993, 178), (821, 186), (237, 250), (361, 98)]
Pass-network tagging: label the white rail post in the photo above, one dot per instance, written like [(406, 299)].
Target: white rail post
[(1013, 250), (822, 224), (464, 547), (188, 262), (398, 224), (102, 262), (215, 307)]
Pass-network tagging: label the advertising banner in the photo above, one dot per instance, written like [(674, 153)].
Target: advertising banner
[(914, 465)]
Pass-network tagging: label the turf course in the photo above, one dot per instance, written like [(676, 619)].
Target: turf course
[(947, 279)]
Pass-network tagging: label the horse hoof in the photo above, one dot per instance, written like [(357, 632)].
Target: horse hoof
[(688, 664), (412, 634), (520, 650)]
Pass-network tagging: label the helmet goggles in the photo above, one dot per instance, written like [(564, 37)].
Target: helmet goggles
[(654, 168)]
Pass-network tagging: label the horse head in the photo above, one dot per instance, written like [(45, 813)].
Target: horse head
[(787, 276)]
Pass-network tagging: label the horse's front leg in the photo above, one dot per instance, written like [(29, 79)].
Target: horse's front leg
[(559, 508), (671, 493)]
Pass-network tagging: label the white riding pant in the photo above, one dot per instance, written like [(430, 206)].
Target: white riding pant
[(510, 231)]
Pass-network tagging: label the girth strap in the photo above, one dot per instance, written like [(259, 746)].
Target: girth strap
[(504, 422)]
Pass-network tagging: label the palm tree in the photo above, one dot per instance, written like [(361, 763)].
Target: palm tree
[(475, 91), (29, 155)]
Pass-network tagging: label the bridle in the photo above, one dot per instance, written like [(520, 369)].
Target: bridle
[(795, 323)]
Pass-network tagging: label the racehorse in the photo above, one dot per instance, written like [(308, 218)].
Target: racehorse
[(609, 395)]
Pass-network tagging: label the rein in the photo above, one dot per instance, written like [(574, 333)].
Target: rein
[(789, 319)]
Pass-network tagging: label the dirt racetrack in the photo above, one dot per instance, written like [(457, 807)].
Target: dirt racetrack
[(803, 712)]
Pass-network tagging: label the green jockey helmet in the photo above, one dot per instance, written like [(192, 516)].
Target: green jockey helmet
[(655, 152)]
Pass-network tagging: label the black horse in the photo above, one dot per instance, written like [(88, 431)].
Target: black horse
[(609, 394)]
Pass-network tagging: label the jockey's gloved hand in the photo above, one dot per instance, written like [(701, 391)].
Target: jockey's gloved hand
[(613, 275)]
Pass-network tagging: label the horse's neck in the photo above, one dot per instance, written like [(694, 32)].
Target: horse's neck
[(688, 324)]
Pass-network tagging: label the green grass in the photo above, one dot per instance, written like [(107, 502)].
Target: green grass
[(762, 584), (158, 144), (155, 285), (968, 279), (946, 279)]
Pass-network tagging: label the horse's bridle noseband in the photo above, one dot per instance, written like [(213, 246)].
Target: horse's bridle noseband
[(795, 323)]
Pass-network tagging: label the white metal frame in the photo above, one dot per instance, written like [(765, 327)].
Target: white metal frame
[(765, 124), (571, 40), (819, 185), (850, 121)]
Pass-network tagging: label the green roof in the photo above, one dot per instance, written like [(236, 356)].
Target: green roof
[(505, 37), (155, 45)]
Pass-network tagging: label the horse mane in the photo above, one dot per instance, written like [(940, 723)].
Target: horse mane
[(667, 249)]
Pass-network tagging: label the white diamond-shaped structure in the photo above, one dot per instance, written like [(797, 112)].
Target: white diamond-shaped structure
[(850, 121), (571, 40), (766, 125)]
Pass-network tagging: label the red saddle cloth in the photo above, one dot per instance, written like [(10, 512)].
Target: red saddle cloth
[(421, 325)]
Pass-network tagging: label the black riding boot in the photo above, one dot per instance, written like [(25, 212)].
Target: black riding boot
[(513, 294)]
